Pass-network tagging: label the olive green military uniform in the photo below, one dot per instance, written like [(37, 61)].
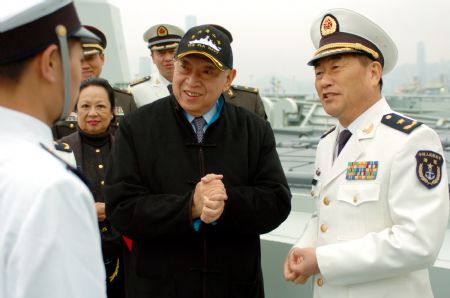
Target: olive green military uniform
[(247, 98)]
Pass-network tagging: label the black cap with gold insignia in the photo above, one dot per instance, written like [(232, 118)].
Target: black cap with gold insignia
[(211, 41), (400, 123), (163, 36), (341, 31), (98, 47), (27, 27)]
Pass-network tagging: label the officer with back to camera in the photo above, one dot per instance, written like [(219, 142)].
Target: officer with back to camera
[(163, 40), (380, 184), (50, 245)]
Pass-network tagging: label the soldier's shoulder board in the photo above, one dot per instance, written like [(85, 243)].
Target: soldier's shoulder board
[(245, 88), (60, 146), (400, 122), (140, 81), (330, 130), (121, 90), (69, 124)]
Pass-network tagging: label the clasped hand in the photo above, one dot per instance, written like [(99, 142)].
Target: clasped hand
[(209, 198), (300, 264)]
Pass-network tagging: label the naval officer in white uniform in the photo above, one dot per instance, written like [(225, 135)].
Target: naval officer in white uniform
[(380, 184), (162, 41), (49, 240)]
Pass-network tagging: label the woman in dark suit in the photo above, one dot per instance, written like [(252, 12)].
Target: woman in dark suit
[(91, 145)]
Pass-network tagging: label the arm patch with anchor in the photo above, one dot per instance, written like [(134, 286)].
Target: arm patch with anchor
[(429, 168), (400, 123)]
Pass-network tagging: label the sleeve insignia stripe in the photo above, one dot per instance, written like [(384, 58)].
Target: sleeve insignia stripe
[(400, 123), (429, 168)]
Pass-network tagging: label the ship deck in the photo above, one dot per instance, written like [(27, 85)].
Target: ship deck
[(296, 145)]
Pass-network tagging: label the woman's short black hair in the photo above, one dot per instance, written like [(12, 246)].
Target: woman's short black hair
[(100, 83)]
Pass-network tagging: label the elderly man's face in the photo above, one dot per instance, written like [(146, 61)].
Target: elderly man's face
[(198, 83), (92, 65)]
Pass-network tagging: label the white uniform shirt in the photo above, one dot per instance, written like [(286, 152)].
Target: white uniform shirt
[(150, 90), (376, 237), (49, 239)]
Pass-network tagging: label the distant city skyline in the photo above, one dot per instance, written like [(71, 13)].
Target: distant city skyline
[(272, 37)]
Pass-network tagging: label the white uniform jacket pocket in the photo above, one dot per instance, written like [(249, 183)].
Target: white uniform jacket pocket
[(359, 209)]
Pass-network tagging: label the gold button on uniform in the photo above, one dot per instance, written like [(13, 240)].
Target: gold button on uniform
[(323, 228), (326, 201), (312, 193), (97, 150), (71, 125), (100, 166), (320, 282), (102, 183)]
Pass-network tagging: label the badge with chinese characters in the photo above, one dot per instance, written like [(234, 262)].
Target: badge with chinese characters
[(362, 170), (429, 168)]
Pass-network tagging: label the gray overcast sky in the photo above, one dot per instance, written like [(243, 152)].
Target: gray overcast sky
[(271, 37)]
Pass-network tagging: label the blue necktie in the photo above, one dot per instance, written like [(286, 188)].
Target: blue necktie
[(343, 138), (199, 124)]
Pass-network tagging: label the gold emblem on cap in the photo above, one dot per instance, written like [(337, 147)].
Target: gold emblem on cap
[(162, 31), (328, 26)]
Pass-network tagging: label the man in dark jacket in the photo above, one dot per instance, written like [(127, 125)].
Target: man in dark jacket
[(194, 181)]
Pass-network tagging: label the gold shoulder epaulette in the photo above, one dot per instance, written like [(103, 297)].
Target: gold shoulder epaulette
[(245, 88), (62, 147), (400, 123), (121, 90), (139, 81), (330, 130)]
